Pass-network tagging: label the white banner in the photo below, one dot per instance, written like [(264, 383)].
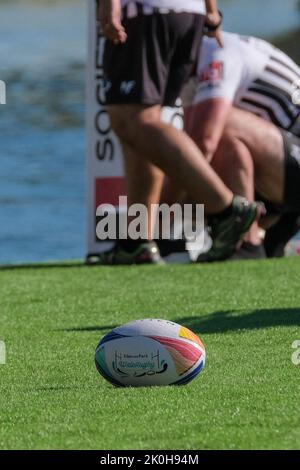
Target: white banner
[(104, 155)]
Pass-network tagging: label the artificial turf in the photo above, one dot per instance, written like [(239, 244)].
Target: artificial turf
[(247, 397)]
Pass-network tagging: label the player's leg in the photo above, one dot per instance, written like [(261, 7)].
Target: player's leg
[(276, 157), (136, 72), (147, 187), (171, 150), (139, 125), (246, 132), (178, 156), (247, 139), (127, 80), (233, 162)]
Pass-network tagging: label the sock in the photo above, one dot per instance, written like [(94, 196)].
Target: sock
[(223, 214), (130, 245)]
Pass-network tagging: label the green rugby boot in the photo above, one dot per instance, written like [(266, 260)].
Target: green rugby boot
[(227, 232)]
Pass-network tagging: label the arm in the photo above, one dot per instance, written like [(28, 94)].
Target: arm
[(211, 7), (109, 17), (205, 122), (213, 18), (209, 97)]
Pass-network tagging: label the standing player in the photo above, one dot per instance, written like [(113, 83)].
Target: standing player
[(150, 52), (252, 75)]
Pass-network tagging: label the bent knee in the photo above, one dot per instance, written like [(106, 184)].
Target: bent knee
[(231, 130), (235, 152)]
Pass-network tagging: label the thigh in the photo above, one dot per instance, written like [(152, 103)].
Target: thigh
[(265, 143), (127, 115), (127, 120)]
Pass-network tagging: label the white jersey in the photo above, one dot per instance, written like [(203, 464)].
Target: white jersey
[(188, 6), (254, 76)]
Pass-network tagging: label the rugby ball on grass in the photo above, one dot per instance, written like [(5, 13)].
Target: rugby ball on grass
[(150, 352)]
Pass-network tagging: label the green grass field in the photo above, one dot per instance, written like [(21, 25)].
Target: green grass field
[(248, 396)]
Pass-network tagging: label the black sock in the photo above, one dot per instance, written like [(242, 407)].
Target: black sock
[(130, 245), (223, 214)]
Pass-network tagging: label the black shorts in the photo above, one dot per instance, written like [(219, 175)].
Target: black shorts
[(157, 59), (291, 201), (292, 172)]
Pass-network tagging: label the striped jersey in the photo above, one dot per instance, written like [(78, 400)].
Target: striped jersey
[(254, 76), (164, 6)]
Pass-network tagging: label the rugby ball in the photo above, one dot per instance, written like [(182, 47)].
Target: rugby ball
[(150, 352)]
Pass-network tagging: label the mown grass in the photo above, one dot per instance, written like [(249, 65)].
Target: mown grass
[(248, 396)]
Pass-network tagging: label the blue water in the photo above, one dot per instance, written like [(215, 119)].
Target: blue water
[(265, 18), (42, 151)]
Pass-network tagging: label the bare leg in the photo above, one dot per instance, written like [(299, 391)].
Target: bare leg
[(233, 161), (171, 193), (144, 182), (264, 142), (251, 149), (172, 151), (234, 164)]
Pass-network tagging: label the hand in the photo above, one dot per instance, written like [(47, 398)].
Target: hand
[(214, 19), (109, 15), (114, 31)]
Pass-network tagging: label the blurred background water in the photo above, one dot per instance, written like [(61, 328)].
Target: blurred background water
[(42, 153)]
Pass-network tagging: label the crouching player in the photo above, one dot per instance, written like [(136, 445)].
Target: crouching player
[(243, 111)]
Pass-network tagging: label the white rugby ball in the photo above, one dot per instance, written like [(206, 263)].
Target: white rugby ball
[(150, 352)]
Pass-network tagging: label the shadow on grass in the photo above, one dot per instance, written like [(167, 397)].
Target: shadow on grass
[(17, 267), (225, 321), (89, 328), (62, 388), (64, 265)]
